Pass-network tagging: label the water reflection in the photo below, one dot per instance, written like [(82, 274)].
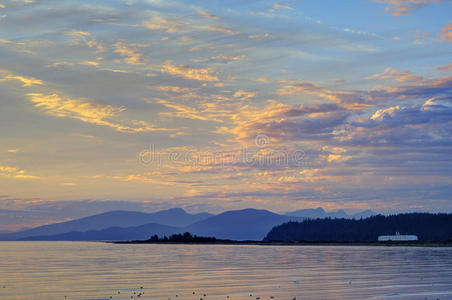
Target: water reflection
[(53, 270)]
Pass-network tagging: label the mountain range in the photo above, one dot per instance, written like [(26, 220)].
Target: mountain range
[(319, 213), (246, 224), (175, 217)]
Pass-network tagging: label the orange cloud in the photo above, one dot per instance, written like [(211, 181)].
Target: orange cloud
[(89, 112), (84, 38), (277, 6), (399, 8), (201, 74), (27, 81), (131, 56), (173, 89), (156, 178), (349, 99), (279, 121), (259, 36), (12, 172), (219, 58), (382, 113), (447, 67), (207, 14), (169, 26), (220, 29), (244, 95), (399, 76), (183, 111), (446, 33)]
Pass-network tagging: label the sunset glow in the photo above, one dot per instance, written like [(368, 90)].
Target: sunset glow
[(217, 105)]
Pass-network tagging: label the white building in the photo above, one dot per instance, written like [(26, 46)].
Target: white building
[(397, 237)]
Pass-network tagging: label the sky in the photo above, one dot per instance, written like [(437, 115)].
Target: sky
[(218, 105)]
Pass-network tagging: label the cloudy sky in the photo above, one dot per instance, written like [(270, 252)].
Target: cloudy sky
[(224, 104)]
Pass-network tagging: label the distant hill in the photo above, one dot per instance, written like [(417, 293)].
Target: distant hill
[(240, 225), (111, 234), (316, 213), (312, 213), (175, 217), (364, 214), (246, 224), (428, 227)]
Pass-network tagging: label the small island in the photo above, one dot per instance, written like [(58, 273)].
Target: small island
[(185, 238)]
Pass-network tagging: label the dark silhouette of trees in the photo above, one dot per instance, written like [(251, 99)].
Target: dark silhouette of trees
[(428, 227), (185, 238)]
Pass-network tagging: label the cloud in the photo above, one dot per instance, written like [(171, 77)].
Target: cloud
[(17, 47), (218, 59), (280, 6), (349, 99), (422, 125), (179, 25), (90, 63), (78, 34), (260, 79), (27, 81), (89, 112), (447, 67), (156, 178), (226, 31), (446, 33), (283, 122), (131, 56), (359, 32), (259, 36), (244, 95), (184, 111), (60, 64), (398, 8), (431, 111), (201, 74), (23, 2), (414, 87), (399, 76), (168, 25), (13, 172), (174, 89), (221, 77), (310, 128), (335, 122), (85, 38), (207, 14), (277, 6)]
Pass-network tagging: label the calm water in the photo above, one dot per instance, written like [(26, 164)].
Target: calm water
[(53, 270)]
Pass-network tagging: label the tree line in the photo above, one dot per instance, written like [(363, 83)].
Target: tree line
[(428, 227), (181, 238)]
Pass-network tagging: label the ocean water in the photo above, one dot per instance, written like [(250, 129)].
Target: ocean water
[(73, 270)]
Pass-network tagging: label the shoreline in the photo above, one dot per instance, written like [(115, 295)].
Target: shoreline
[(442, 244)]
